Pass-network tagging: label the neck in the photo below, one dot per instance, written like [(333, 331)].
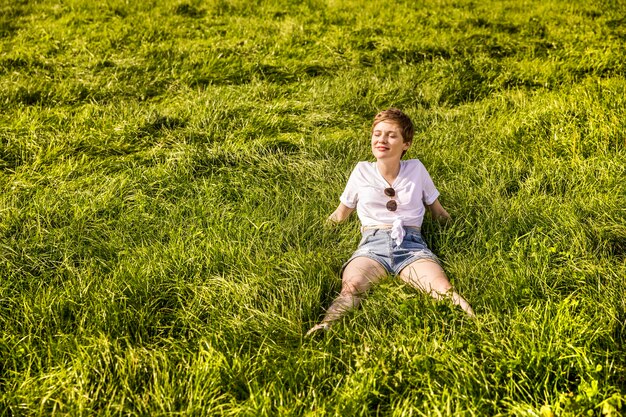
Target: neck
[(389, 169)]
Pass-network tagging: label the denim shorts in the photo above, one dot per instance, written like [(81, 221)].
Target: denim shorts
[(378, 245)]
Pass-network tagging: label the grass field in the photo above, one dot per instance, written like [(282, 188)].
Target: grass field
[(166, 169)]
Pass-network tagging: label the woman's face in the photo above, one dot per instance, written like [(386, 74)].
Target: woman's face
[(387, 141)]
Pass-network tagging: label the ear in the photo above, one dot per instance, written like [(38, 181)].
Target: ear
[(407, 145)]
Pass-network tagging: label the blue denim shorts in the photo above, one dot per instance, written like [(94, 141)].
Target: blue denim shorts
[(378, 245)]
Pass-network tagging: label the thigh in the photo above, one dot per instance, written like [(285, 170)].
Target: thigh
[(360, 274), (426, 275)]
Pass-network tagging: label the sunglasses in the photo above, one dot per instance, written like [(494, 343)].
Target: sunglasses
[(392, 205)]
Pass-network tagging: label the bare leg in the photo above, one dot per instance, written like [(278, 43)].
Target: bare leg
[(426, 275), (358, 277)]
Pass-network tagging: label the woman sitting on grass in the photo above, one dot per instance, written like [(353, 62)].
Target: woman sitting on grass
[(390, 197)]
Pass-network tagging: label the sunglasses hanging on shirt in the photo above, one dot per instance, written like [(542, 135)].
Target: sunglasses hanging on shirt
[(392, 205)]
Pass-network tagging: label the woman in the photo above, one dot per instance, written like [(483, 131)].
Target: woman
[(390, 197)]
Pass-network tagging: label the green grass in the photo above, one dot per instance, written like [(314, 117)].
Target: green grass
[(166, 169)]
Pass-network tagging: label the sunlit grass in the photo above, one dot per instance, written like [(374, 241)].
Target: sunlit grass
[(165, 173)]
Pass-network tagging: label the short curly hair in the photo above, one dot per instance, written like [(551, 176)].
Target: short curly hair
[(398, 117)]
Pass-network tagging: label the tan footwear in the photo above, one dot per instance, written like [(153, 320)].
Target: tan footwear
[(322, 326)]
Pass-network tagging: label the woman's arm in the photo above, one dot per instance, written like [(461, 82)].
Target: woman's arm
[(438, 212), (340, 214)]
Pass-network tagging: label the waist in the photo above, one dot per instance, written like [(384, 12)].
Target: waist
[(387, 227)]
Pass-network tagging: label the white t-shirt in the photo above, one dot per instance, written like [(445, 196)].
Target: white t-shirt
[(414, 188)]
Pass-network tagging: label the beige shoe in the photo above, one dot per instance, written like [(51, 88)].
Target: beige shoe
[(315, 329)]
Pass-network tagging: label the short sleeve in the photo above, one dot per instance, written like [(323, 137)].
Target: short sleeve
[(429, 191), (350, 195)]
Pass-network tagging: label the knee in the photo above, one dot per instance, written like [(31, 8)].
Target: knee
[(442, 292), (350, 296), (351, 290), (441, 288), (446, 290)]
